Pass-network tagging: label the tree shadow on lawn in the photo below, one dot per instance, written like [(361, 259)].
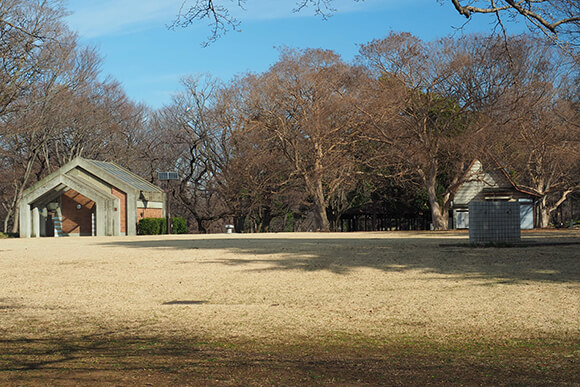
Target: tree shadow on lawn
[(106, 359), (557, 264)]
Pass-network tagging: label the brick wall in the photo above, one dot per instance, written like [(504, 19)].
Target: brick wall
[(76, 221), (123, 210), (149, 213)]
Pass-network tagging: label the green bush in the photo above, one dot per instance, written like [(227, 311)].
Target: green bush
[(157, 226), (152, 226), (289, 226), (179, 225)]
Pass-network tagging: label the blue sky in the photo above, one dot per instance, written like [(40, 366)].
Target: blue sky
[(149, 59)]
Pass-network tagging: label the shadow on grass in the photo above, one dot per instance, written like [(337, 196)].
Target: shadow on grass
[(185, 302), (558, 264), (161, 361)]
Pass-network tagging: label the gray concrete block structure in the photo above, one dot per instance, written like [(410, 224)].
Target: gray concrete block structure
[(88, 197), (494, 222)]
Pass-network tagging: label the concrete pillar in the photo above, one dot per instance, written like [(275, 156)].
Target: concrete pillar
[(109, 218), (116, 217), (100, 211), (35, 222), (58, 219), (24, 220), (131, 208), (43, 220)]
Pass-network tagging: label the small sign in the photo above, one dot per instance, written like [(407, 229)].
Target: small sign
[(167, 176)]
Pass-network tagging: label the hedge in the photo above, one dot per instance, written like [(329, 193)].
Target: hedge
[(152, 226), (179, 225), (157, 226)]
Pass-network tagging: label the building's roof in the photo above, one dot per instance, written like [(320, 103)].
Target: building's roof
[(477, 179), (124, 175), (517, 187)]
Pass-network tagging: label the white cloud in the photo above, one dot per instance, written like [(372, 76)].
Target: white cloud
[(276, 9), (107, 17), (95, 19)]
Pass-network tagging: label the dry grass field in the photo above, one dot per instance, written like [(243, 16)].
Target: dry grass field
[(390, 308)]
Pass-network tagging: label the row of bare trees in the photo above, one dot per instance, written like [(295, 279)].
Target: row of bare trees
[(314, 134), (298, 145)]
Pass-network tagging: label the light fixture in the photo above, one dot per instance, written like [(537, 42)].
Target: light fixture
[(79, 206)]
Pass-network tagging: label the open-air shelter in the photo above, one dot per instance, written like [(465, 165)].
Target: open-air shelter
[(89, 197)]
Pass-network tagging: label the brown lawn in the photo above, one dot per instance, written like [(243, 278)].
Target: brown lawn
[(392, 308)]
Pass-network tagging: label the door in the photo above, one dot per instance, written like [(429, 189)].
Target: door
[(526, 214), (462, 219)]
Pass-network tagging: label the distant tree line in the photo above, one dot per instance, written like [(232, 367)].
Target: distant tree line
[(299, 145)]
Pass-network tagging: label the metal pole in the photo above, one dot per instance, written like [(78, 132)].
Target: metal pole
[(167, 177), (571, 210), (168, 209)]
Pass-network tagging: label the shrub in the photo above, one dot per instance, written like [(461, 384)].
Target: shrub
[(179, 225), (289, 226), (152, 226)]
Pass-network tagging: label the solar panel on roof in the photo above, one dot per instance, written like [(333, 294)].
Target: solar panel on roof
[(167, 175), (126, 176)]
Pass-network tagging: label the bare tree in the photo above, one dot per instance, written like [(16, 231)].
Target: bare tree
[(557, 19), (35, 44), (27, 28), (257, 181), (527, 106), (425, 107), (53, 106), (537, 137), (305, 103), (192, 136), (221, 20), (549, 156)]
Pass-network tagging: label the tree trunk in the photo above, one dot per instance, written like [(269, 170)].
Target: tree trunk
[(239, 222), (16, 211), (320, 217), (440, 220), (200, 228), (315, 188), (266, 219), (6, 220), (16, 222), (544, 215), (439, 215), (22, 186), (545, 211), (9, 211)]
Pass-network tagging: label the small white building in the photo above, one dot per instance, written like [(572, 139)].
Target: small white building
[(491, 184)]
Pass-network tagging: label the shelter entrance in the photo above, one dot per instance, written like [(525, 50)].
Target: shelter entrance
[(65, 212), (68, 206)]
